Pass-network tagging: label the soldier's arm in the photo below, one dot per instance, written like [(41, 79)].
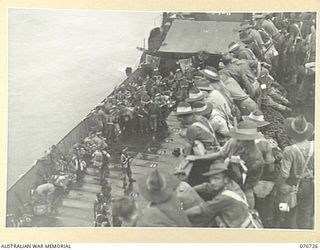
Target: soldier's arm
[(211, 156), (217, 205), (223, 153)]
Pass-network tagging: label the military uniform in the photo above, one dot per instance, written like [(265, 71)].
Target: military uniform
[(292, 164), (126, 169), (142, 116), (249, 68), (246, 53), (101, 210), (244, 103), (154, 113), (237, 73), (228, 209), (204, 134)]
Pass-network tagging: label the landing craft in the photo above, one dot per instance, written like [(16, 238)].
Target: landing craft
[(188, 34)]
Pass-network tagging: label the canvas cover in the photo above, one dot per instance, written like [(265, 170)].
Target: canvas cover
[(187, 36)]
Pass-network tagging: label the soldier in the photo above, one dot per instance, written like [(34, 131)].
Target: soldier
[(241, 52), (184, 86), (293, 54), (102, 207), (104, 170), (237, 73), (245, 157), (142, 116), (229, 208), (264, 21), (110, 127), (247, 33), (126, 168), (296, 175), (306, 77), (243, 102), (273, 98), (200, 139), (163, 107), (220, 116), (251, 69), (154, 114), (154, 89), (98, 160), (252, 40), (97, 119), (201, 61), (264, 191), (163, 209), (79, 165)]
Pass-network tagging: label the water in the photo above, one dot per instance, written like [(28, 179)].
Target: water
[(61, 64)]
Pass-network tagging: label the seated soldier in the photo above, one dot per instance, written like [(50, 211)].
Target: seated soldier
[(229, 208), (200, 139), (244, 155)]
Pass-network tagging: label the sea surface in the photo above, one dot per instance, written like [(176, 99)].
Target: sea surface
[(61, 64)]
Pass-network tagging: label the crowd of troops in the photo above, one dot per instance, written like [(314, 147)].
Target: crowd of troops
[(246, 162)]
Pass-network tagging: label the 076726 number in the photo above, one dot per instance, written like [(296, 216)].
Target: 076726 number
[(308, 246)]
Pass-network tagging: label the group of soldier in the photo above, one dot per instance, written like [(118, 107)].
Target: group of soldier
[(137, 107), (246, 163)]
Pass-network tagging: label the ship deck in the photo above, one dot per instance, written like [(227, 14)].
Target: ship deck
[(147, 151)]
